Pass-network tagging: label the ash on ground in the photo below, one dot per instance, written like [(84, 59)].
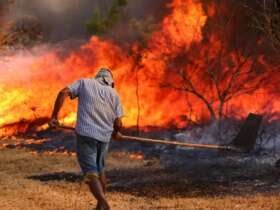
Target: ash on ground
[(184, 171)]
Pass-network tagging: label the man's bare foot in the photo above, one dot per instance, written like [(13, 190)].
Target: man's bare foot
[(98, 206), (106, 206), (102, 206)]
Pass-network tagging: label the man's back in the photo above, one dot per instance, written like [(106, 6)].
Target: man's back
[(98, 106)]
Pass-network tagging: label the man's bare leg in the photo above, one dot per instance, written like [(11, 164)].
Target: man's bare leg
[(96, 189), (103, 180)]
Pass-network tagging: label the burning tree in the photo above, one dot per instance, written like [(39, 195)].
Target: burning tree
[(212, 62), (223, 66), (222, 76)]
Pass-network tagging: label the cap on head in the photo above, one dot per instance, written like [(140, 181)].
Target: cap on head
[(105, 76)]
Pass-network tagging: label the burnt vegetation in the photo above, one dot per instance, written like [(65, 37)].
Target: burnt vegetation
[(228, 63)]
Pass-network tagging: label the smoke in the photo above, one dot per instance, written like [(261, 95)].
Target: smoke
[(62, 20), (223, 132)]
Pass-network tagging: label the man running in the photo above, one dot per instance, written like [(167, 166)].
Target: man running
[(98, 119)]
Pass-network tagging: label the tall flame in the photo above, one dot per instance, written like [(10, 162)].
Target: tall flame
[(30, 81)]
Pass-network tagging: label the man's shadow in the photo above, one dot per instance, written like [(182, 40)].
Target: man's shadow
[(58, 176), (166, 182)]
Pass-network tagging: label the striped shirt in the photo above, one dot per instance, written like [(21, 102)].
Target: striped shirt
[(98, 107)]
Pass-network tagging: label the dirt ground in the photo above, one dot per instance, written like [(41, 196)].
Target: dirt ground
[(160, 181)]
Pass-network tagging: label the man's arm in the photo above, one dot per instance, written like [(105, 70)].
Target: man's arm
[(117, 128), (65, 92)]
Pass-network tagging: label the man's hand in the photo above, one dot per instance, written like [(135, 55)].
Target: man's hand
[(53, 123), (117, 136), (117, 125), (57, 106)]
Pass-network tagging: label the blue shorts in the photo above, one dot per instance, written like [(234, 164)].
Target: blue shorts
[(91, 155)]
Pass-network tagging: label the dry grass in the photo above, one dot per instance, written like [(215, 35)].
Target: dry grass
[(150, 190)]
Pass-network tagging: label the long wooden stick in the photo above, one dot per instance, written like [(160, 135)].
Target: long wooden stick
[(169, 142), (176, 143)]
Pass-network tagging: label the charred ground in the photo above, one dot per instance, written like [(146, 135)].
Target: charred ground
[(36, 175)]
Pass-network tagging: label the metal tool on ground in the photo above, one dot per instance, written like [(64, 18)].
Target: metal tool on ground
[(247, 136), (244, 142)]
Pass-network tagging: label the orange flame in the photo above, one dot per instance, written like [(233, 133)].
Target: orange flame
[(30, 81)]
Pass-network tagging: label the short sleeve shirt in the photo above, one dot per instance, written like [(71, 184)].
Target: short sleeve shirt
[(98, 107)]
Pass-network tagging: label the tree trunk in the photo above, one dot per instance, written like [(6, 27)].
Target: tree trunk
[(221, 109)]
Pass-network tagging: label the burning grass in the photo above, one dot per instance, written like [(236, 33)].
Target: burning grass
[(200, 64)]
